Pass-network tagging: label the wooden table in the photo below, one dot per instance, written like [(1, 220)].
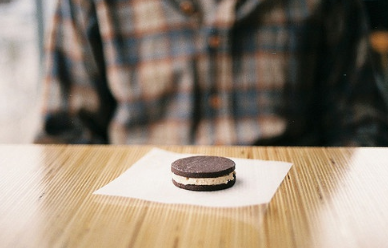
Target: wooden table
[(332, 197)]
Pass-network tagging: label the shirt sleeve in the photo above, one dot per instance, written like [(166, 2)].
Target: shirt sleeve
[(352, 103), (77, 103)]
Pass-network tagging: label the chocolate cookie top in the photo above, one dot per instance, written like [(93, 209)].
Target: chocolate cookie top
[(202, 166)]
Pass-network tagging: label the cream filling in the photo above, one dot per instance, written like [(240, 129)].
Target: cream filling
[(203, 181)]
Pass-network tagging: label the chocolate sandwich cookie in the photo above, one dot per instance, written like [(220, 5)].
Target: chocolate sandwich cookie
[(203, 173)]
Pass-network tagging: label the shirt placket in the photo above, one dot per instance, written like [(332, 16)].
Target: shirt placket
[(219, 102), (219, 49), (213, 47)]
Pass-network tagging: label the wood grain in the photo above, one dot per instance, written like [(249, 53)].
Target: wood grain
[(332, 197)]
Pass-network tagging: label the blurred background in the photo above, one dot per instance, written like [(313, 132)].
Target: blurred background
[(23, 26)]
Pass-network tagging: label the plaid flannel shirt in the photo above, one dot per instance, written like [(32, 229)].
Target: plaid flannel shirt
[(227, 72)]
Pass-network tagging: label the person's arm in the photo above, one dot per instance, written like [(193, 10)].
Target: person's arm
[(352, 104), (77, 103)]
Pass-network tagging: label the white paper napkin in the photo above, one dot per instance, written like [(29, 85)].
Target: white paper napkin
[(150, 179)]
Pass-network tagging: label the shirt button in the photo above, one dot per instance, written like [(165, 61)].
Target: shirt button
[(214, 41), (215, 102), (187, 7)]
